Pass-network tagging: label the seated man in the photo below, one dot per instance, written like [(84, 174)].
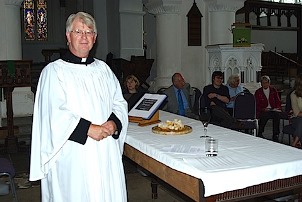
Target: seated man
[(268, 106), (215, 97), (178, 97)]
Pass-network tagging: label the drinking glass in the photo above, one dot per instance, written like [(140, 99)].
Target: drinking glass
[(205, 117), (211, 146)]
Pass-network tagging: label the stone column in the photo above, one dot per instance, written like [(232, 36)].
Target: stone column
[(10, 30), (10, 40), (221, 16), (11, 49), (168, 36), (131, 27)]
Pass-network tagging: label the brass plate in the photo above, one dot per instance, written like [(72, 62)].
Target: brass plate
[(185, 130)]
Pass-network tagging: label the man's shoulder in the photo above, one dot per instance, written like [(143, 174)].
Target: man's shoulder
[(224, 87), (99, 62), (168, 90), (208, 86), (52, 65)]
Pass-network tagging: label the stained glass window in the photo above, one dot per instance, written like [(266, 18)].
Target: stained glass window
[(35, 20)]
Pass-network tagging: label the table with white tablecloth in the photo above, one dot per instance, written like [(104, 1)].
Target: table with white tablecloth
[(243, 160)]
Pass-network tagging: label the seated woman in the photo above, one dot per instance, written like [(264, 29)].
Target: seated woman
[(132, 91), (268, 106), (131, 84), (296, 103), (234, 90)]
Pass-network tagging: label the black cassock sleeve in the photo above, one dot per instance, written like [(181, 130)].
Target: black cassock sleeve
[(79, 134), (118, 124)]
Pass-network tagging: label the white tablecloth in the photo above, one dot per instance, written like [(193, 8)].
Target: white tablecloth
[(243, 160)]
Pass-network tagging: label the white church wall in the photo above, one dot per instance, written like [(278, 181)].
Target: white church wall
[(102, 15), (150, 42), (23, 100), (192, 57)]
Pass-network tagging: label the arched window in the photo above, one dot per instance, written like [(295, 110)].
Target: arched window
[(35, 20)]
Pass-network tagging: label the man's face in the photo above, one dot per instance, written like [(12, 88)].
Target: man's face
[(217, 81), (80, 41), (179, 81), (265, 84)]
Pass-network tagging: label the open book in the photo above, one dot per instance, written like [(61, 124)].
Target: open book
[(147, 105)]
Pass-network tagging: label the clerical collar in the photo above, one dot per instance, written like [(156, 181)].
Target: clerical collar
[(69, 57)]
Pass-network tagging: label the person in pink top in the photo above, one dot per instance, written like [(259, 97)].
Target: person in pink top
[(268, 106)]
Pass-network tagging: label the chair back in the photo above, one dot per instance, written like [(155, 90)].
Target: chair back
[(7, 169), (161, 90), (196, 97), (244, 106), (202, 103), (288, 103)]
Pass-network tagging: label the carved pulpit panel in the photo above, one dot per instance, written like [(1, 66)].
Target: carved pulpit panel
[(13, 73)]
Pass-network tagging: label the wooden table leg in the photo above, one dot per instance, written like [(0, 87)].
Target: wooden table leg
[(154, 188)]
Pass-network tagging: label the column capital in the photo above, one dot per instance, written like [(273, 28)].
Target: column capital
[(224, 5), (164, 6), (13, 2)]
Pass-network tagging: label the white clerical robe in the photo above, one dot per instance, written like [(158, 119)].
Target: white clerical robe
[(70, 171)]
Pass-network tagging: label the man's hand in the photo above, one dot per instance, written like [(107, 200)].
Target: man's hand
[(212, 95), (99, 132), (219, 97), (111, 126)]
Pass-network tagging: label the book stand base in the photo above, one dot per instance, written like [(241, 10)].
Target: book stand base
[(145, 122)]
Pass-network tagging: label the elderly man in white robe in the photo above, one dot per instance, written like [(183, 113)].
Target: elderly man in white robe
[(79, 125)]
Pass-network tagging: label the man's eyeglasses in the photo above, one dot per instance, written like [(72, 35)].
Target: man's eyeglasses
[(218, 77), (78, 32)]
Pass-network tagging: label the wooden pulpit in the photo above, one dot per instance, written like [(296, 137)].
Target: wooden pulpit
[(13, 73)]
